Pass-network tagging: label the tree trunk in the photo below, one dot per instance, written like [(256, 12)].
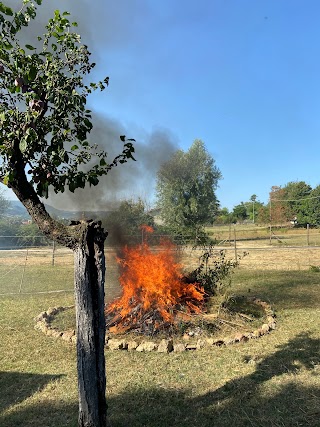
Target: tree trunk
[(86, 239), (90, 321)]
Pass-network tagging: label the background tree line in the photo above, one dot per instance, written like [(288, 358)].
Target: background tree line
[(296, 203)]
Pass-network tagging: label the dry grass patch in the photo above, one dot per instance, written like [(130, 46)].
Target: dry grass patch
[(271, 382)]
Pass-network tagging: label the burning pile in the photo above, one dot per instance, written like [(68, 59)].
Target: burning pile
[(154, 291)]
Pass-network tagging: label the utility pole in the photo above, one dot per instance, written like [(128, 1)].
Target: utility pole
[(270, 216)]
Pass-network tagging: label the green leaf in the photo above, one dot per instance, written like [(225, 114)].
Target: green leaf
[(7, 45), (6, 10), (28, 46), (32, 73), (75, 24), (103, 162), (5, 180), (23, 145), (123, 138), (38, 2), (93, 180), (74, 147)]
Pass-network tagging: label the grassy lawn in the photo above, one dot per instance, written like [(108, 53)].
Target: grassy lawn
[(272, 381)]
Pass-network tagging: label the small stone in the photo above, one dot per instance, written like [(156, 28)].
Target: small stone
[(132, 345), (186, 337), (238, 337), (114, 344), (41, 326), (265, 328), (179, 347), (256, 333), (218, 343), (147, 346), (42, 316), (209, 341), (201, 344), (67, 335), (165, 346), (52, 311), (56, 334), (191, 347), (272, 325)]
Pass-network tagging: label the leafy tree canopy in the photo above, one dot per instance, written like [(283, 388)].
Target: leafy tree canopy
[(186, 186), (45, 122)]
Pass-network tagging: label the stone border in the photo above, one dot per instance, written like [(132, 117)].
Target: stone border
[(44, 319)]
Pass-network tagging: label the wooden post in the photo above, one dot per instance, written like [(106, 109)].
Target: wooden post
[(308, 234), (53, 250), (235, 243), (23, 271)]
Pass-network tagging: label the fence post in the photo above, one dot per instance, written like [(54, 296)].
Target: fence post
[(270, 217), (308, 235), (23, 271), (53, 250), (235, 243)]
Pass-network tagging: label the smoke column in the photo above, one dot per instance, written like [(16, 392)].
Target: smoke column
[(108, 26)]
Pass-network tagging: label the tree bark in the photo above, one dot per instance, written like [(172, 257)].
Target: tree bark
[(86, 239), (89, 296)]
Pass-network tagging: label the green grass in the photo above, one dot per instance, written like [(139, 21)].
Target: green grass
[(272, 381)]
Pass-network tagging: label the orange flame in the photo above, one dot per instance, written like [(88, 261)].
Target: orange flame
[(152, 282)]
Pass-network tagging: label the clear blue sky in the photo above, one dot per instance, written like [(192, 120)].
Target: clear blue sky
[(242, 75)]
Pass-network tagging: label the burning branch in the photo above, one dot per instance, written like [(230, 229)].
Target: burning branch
[(153, 290)]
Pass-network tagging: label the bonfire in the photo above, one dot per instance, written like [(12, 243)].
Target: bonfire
[(155, 292)]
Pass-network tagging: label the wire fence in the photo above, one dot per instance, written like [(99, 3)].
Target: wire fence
[(27, 268)]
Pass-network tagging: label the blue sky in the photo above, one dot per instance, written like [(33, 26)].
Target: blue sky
[(242, 75)]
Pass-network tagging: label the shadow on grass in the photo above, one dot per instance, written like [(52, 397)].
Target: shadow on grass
[(17, 386), (246, 401)]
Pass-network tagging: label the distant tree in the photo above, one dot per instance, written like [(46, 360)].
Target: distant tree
[(313, 207), (126, 221), (263, 214), (297, 195), (4, 203), (253, 208), (186, 186), (223, 216), (239, 212), (44, 146), (277, 206)]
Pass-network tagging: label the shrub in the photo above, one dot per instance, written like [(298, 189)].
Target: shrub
[(214, 271)]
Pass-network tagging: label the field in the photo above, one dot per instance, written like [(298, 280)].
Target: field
[(271, 381)]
